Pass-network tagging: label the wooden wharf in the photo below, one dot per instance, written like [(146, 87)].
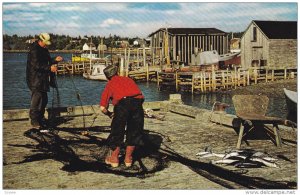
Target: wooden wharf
[(72, 68), (216, 80), (32, 159), (204, 81)]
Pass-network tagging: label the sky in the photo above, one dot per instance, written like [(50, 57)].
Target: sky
[(136, 19)]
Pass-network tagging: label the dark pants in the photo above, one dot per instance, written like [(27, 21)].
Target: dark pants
[(38, 104), (128, 113)]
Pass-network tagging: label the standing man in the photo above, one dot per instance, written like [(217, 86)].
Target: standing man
[(39, 68), (127, 99)]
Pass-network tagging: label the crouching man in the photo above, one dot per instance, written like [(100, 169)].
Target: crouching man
[(127, 116)]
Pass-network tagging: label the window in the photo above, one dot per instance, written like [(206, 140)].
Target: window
[(254, 34), (255, 63), (263, 62)]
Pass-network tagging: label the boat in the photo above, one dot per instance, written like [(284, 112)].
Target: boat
[(291, 103), (96, 73), (228, 56), (84, 57), (291, 99)]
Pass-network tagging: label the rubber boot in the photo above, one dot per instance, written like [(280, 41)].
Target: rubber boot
[(128, 156), (113, 157)]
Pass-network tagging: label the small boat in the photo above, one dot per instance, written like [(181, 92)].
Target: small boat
[(291, 103), (84, 57), (228, 56), (291, 99), (96, 73)]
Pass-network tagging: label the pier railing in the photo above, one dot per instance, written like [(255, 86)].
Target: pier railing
[(210, 81)]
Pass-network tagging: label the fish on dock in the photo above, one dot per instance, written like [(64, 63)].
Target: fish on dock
[(224, 161), (240, 158), (208, 153), (265, 162)]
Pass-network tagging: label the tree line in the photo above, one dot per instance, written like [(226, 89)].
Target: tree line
[(60, 42), (64, 42)]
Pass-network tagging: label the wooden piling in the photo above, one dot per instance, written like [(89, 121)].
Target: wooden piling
[(193, 83)]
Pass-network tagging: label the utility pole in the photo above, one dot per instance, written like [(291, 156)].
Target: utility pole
[(111, 55), (91, 54), (167, 47)]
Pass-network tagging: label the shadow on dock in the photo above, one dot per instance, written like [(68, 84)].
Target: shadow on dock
[(80, 153)]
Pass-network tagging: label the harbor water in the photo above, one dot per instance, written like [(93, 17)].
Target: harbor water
[(74, 90)]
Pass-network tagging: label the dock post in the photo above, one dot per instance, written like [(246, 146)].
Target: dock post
[(223, 80), (235, 77), (273, 74), (248, 77), (239, 77), (285, 74), (125, 56), (292, 75), (204, 80), (193, 83), (209, 82), (213, 78), (127, 64), (201, 81), (145, 64), (176, 81), (122, 66), (227, 79), (157, 78), (255, 75), (138, 57)]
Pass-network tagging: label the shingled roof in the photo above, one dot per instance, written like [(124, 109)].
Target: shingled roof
[(278, 29), (186, 31)]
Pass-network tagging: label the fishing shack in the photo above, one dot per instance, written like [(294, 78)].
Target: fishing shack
[(269, 44), (179, 43)]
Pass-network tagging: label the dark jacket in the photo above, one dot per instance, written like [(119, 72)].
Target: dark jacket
[(38, 68)]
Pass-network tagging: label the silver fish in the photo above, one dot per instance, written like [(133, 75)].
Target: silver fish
[(206, 154), (224, 161), (265, 162), (264, 156), (231, 154), (247, 165)]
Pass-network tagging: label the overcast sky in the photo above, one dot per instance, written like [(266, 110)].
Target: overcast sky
[(136, 19)]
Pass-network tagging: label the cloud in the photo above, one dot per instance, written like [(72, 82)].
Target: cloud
[(72, 8), (109, 22), (39, 4), (29, 17), (137, 19), (110, 7), (11, 6), (74, 17)]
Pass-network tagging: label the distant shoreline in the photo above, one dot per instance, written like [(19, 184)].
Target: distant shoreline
[(51, 51)]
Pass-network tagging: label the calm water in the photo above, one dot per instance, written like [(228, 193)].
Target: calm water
[(16, 94)]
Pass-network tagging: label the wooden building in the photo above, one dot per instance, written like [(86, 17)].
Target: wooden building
[(180, 43), (88, 46), (269, 44)]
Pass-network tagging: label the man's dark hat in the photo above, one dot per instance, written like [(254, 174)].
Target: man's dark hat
[(110, 71)]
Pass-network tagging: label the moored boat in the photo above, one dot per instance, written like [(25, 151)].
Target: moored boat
[(84, 57), (96, 73)]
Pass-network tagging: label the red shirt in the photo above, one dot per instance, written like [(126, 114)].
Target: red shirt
[(117, 88)]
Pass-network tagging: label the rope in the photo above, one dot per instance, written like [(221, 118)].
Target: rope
[(78, 96)]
